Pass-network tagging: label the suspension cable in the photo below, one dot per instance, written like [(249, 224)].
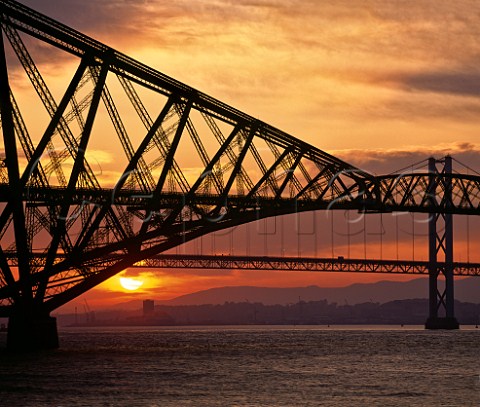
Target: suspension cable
[(364, 236), (468, 239), (414, 166), (466, 166), (331, 230), (348, 234), (298, 236), (381, 236), (396, 231), (265, 231), (468, 218), (282, 237), (413, 236)]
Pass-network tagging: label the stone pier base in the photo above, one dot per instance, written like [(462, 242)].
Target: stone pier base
[(442, 323), (29, 334)]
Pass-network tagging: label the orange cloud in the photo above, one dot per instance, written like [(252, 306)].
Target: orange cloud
[(337, 74)]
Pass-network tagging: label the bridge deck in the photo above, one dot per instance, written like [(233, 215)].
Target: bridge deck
[(339, 264)]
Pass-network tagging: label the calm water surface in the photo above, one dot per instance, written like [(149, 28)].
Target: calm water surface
[(247, 366)]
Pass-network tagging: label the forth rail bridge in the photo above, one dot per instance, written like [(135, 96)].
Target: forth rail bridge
[(64, 230)]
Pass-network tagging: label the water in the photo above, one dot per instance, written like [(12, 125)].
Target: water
[(248, 366)]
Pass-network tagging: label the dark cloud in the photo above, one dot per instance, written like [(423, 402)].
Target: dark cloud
[(107, 18), (466, 155), (101, 20), (422, 105), (454, 83), (124, 18)]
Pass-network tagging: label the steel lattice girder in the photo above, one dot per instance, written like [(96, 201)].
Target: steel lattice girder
[(91, 232)]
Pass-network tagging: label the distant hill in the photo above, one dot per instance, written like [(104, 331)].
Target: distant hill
[(467, 290)]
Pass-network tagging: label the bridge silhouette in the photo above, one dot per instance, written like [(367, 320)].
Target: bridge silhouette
[(64, 228)]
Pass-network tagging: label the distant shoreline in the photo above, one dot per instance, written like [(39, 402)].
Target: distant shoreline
[(312, 313)]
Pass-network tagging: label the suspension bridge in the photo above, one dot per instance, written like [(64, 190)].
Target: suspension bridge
[(65, 227)]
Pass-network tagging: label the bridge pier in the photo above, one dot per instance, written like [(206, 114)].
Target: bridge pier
[(31, 332), (440, 231)]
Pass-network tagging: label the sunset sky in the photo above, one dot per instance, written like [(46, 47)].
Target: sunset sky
[(379, 84)]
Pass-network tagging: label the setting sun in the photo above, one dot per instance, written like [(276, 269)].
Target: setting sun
[(130, 284)]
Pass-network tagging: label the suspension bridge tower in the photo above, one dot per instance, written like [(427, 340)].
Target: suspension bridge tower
[(440, 246)]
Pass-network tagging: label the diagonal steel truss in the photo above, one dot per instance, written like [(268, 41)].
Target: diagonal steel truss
[(70, 230)]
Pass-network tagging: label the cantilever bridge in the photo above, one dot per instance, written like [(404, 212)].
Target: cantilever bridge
[(65, 229)]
